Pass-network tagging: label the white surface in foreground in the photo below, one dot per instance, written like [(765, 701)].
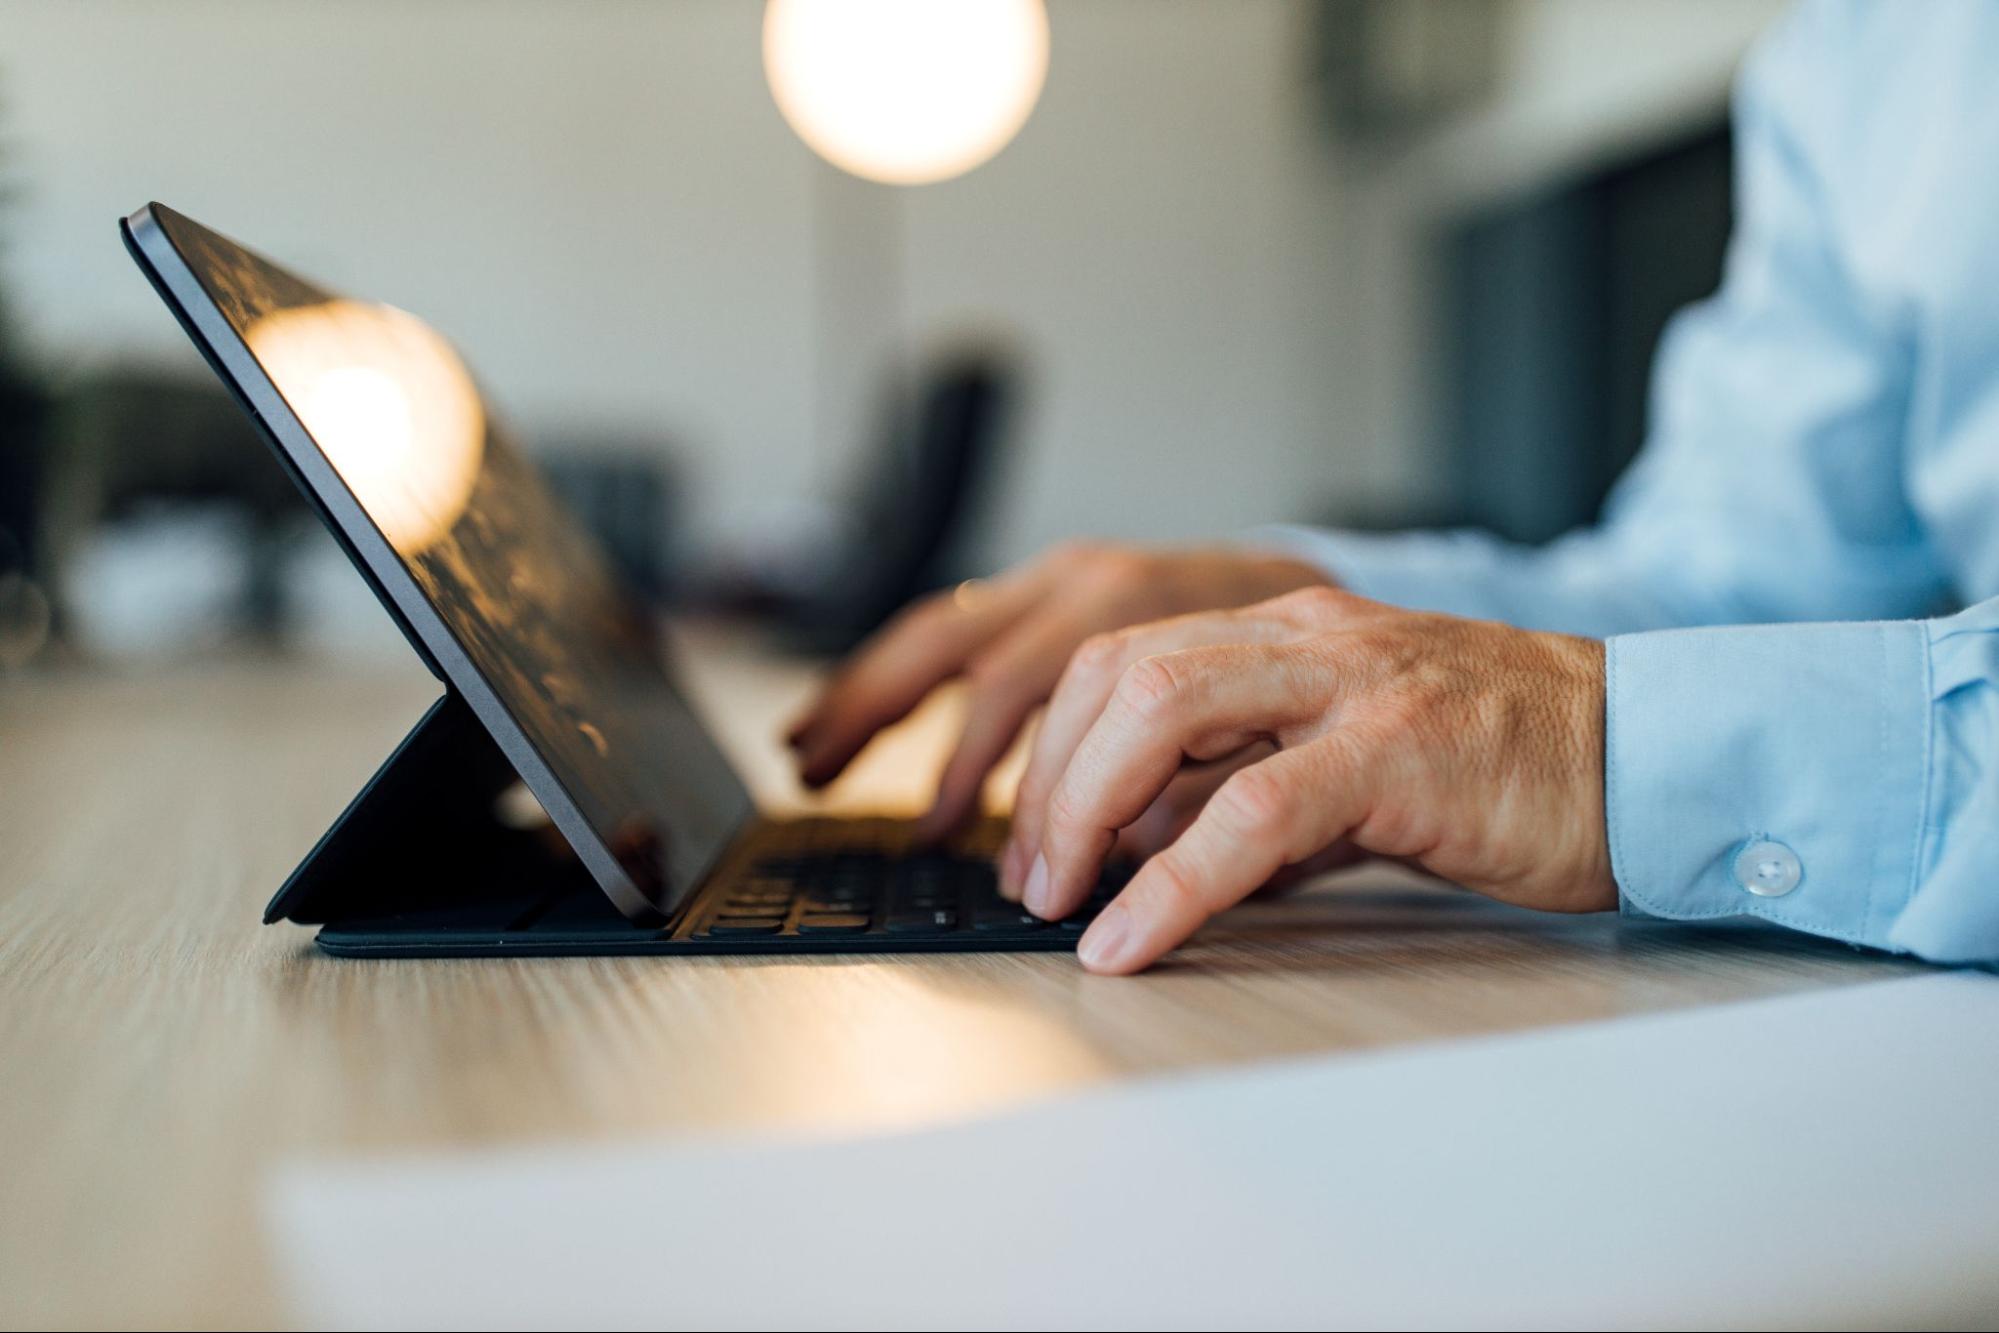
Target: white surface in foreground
[(1824, 1158)]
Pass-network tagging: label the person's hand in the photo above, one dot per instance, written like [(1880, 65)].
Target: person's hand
[(1176, 808), (1469, 748), (1010, 638)]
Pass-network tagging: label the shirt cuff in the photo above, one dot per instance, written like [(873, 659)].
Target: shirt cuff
[(1771, 771)]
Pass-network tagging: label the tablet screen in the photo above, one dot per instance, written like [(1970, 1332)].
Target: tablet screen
[(520, 588)]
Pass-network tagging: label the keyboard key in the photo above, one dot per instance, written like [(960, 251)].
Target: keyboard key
[(1009, 919), (848, 924), (922, 923), (745, 925)]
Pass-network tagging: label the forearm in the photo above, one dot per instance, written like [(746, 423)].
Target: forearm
[(1575, 586)]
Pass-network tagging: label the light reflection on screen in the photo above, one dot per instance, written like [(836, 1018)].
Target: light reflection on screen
[(390, 405), (521, 588)]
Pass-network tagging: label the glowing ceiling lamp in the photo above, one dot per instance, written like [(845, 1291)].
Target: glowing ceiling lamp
[(906, 91)]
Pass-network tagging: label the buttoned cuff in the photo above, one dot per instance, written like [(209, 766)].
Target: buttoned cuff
[(1775, 771)]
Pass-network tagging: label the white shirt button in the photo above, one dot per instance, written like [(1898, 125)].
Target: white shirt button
[(1768, 869)]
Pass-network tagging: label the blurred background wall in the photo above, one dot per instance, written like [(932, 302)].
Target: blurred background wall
[(1238, 288)]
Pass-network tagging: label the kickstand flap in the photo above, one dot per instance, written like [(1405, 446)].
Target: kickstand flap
[(422, 833)]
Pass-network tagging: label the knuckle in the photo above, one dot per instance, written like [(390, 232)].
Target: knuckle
[(1253, 804), (1097, 655), (1361, 658), (1111, 570), (1414, 692), (1334, 658), (1396, 711), (1316, 605), (1063, 815), (1149, 688), (1122, 566), (1073, 553), (1172, 888), (1390, 646), (1099, 569)]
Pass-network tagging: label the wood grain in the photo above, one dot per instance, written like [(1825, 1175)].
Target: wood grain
[(161, 1051)]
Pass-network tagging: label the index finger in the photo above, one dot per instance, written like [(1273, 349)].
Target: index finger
[(1194, 704), (1268, 816), (1085, 689), (924, 646)]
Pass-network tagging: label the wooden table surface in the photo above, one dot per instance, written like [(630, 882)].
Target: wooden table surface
[(160, 1050)]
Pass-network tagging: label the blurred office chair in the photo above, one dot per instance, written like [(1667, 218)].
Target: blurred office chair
[(912, 503), (624, 489)]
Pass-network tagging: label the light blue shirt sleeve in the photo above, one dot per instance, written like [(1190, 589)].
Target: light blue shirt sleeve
[(1771, 486), (1840, 778), (1860, 756)]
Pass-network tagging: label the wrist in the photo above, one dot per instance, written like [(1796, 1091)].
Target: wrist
[(1583, 727), (1272, 574)]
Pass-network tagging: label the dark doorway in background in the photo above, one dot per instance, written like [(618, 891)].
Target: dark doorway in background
[(1554, 303)]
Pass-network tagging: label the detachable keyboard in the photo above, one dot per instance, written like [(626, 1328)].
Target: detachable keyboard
[(807, 886), (900, 897), (864, 882)]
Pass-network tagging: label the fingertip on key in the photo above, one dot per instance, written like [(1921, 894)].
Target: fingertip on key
[(1034, 894), (933, 826), (818, 764), (1009, 871), (1106, 943)]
